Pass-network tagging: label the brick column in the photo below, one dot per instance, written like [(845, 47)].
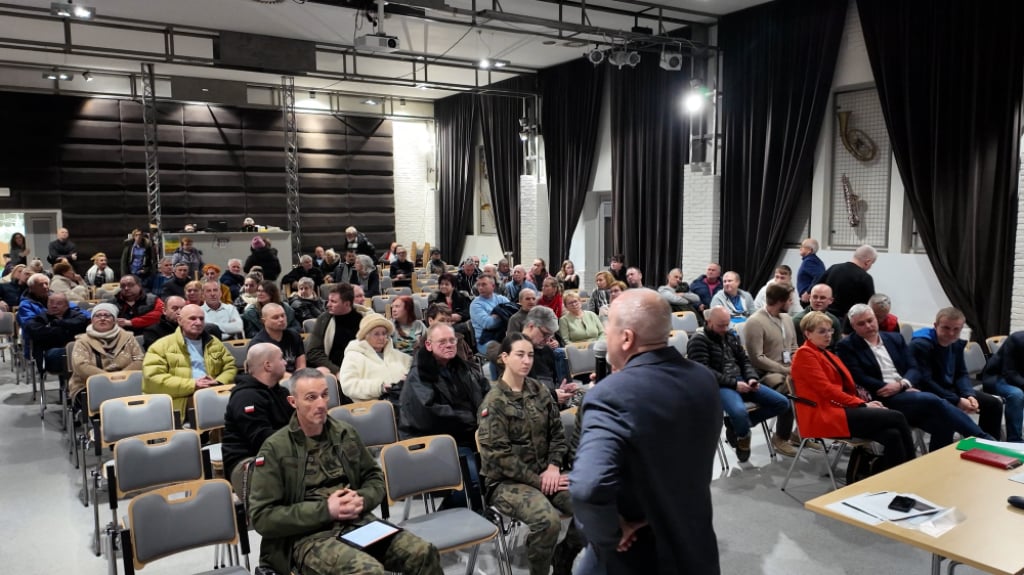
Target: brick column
[(702, 204)]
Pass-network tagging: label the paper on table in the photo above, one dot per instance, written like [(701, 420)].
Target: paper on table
[(1019, 478), (877, 505), (936, 525), (855, 514), (1018, 447)]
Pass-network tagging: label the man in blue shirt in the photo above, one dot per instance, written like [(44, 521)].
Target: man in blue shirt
[(487, 325)]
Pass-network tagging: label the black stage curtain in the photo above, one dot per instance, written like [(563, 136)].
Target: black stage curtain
[(571, 95), (949, 76), (777, 73), (649, 149), (503, 152), (455, 117)]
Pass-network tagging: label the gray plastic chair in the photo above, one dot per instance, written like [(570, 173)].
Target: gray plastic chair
[(685, 321), (424, 465), (238, 349), (374, 421), (678, 339), (210, 405), (307, 325), (124, 417), (182, 517), (146, 462), (581, 358), (100, 388)]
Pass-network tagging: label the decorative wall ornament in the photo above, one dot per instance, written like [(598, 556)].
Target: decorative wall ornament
[(859, 144)]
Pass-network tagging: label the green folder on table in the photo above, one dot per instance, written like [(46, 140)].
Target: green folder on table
[(973, 443)]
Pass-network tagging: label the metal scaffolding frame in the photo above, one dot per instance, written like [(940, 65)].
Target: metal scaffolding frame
[(291, 162), (152, 161)]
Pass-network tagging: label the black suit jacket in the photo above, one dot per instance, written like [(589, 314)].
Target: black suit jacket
[(860, 360), (624, 467)]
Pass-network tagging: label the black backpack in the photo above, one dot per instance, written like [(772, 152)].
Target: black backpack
[(863, 463)]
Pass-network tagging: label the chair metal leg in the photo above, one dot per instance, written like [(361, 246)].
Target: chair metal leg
[(96, 511), (803, 442), (722, 459), (472, 560), (768, 440)]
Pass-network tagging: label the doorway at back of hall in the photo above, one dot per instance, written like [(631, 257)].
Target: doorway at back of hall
[(38, 226)]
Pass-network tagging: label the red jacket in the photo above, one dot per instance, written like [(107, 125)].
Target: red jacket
[(817, 379), (555, 303)]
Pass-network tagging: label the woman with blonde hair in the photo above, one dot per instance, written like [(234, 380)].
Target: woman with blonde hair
[(567, 276), (578, 325), (372, 365), (194, 293), (100, 273)]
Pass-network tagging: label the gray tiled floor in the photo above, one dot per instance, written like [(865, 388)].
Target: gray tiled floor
[(760, 529)]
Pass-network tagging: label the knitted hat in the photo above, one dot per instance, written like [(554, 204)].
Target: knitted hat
[(107, 307), (258, 243), (372, 321)]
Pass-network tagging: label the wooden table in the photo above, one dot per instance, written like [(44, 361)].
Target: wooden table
[(991, 538)]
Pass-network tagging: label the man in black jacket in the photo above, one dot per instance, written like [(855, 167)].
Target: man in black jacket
[(176, 285), (50, 332), (305, 269), (441, 395), (258, 407)]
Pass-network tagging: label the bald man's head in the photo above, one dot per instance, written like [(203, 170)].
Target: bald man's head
[(719, 320), (274, 318), (639, 320), (192, 320), (265, 362)]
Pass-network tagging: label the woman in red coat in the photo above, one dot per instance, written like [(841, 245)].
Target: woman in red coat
[(820, 376)]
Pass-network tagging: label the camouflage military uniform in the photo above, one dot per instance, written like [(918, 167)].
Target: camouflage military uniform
[(520, 435), (288, 505)]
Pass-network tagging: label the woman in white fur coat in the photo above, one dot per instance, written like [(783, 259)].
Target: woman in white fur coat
[(372, 364)]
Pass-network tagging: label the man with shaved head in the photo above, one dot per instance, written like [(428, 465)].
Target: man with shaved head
[(621, 480), (258, 407), (275, 331), (187, 360)]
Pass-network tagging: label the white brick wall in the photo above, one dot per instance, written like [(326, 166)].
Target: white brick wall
[(534, 217), (701, 219), (415, 195), (1017, 297)]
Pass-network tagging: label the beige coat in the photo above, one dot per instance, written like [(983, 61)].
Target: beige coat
[(88, 358)]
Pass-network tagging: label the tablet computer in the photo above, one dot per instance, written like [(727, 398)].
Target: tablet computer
[(370, 534)]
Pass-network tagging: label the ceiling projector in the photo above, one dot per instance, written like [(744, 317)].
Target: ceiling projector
[(377, 43)]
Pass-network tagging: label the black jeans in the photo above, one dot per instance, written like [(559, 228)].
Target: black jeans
[(886, 426), (990, 418)]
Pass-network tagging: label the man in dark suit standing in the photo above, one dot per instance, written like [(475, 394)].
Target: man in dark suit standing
[(626, 482), (881, 363), (850, 281)]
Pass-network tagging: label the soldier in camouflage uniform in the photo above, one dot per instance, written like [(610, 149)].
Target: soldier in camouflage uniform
[(314, 480), (522, 446)]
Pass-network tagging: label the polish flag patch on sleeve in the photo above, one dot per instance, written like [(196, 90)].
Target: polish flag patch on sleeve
[(483, 413), (250, 409), (259, 462)]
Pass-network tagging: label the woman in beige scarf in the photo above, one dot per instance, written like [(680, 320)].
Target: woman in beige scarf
[(103, 348)]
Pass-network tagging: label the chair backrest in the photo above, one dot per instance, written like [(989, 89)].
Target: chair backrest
[(325, 290), (374, 421), (381, 304), (385, 281), (68, 350), (907, 331), (104, 386), (333, 391), (141, 340), (178, 518), (134, 415), (238, 348), (994, 343), (156, 459), (420, 465), (397, 291), (581, 358), (307, 325), (974, 357), (685, 321), (568, 417), (678, 339), (211, 403), (6, 323)]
